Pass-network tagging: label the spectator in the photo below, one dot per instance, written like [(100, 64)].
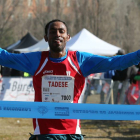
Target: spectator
[(120, 79)]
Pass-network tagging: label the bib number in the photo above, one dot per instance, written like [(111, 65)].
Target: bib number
[(57, 88)]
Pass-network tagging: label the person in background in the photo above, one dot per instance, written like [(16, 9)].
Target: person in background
[(133, 78), (16, 73), (109, 74), (73, 66), (5, 71), (121, 83), (25, 74), (133, 92)]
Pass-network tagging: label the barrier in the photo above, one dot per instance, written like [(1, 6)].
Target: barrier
[(15, 109), (110, 92), (16, 89), (21, 89)]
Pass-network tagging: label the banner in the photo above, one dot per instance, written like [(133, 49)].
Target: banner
[(15, 109), (16, 89)]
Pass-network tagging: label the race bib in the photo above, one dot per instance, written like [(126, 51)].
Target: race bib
[(57, 88)]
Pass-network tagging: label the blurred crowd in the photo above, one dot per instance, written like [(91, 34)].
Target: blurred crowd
[(125, 84)]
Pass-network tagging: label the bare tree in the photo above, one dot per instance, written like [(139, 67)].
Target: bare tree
[(114, 21), (7, 10)]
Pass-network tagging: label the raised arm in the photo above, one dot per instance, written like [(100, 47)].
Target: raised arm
[(90, 63), (27, 62)]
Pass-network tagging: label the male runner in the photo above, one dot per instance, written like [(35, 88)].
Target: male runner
[(59, 76)]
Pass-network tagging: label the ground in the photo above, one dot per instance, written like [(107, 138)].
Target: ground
[(111, 130)]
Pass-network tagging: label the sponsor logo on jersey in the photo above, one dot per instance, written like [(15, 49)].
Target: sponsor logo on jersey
[(68, 73), (48, 71)]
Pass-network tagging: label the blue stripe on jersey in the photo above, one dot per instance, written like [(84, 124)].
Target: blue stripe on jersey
[(59, 59)]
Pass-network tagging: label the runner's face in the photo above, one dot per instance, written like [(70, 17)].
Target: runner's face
[(57, 36)]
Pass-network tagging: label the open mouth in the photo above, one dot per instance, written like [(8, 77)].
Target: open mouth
[(58, 40)]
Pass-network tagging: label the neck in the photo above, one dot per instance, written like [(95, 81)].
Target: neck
[(57, 54)]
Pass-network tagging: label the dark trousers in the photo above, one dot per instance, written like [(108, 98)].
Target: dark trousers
[(57, 137)]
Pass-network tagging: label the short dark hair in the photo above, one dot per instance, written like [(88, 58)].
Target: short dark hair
[(54, 20), (121, 52)]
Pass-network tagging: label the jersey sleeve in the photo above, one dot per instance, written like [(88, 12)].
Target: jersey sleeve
[(90, 63), (27, 62)]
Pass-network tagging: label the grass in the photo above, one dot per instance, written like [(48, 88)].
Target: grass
[(15, 128), (19, 129), (111, 130)]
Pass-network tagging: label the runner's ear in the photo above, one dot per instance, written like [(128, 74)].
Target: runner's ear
[(68, 37), (46, 38)]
